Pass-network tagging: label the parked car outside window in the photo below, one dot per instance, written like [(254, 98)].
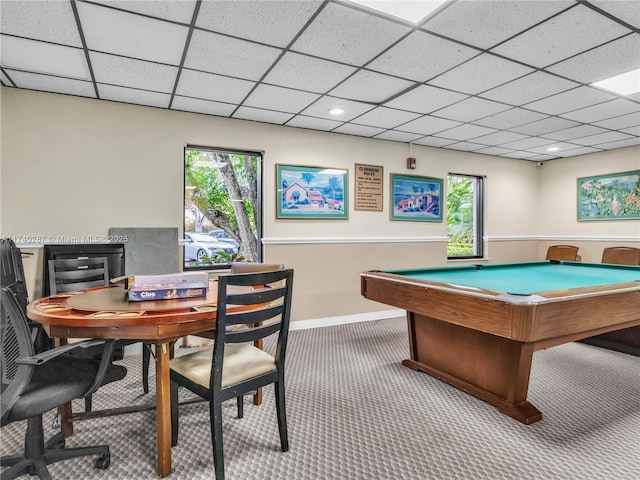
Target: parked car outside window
[(197, 246), (224, 237)]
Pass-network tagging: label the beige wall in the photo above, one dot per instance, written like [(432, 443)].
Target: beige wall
[(75, 167)]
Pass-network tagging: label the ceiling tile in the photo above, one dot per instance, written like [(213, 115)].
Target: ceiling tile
[(632, 130), (428, 125), (347, 35), (351, 109), (626, 10), (360, 130), (385, 118), (471, 109), (198, 105), (50, 21), (397, 136), (529, 88), (547, 125), (112, 31), (486, 23), (130, 95), (425, 99), (518, 154), (272, 22), (481, 73), (605, 137), (623, 121), (224, 55), (312, 123), (421, 56), (603, 111), (526, 143), (127, 72), (578, 151), (572, 100), (307, 73), (619, 144), (5, 80), (493, 150), (466, 131), (433, 141), (181, 11), (563, 36), (41, 57), (46, 83), (499, 138), (268, 116), (367, 86), (510, 118), (212, 87), (612, 59), (280, 99), (465, 146), (574, 132)]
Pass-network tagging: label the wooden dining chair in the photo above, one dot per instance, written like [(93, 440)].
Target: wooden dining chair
[(626, 340), (562, 253), (621, 255), (233, 366)]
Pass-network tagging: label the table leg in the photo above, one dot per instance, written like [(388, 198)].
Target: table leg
[(163, 409), (492, 368)]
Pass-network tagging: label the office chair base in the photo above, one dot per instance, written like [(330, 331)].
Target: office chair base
[(37, 456)]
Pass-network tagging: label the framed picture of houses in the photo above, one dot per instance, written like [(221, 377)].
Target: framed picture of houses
[(416, 199), (312, 192)]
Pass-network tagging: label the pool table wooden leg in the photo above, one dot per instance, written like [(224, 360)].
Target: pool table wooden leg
[(492, 368)]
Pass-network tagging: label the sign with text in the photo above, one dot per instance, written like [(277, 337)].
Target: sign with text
[(368, 187)]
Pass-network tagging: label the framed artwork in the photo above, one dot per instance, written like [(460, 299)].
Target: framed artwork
[(615, 196), (416, 198), (312, 192)]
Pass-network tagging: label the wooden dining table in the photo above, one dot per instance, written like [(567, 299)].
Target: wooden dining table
[(106, 313)]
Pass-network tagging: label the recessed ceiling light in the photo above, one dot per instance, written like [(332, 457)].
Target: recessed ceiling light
[(623, 84), (553, 149), (411, 10), (336, 111)]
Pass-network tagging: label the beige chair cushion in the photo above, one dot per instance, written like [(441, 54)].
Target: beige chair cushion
[(241, 362)]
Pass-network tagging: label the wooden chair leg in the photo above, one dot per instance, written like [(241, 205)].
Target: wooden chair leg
[(215, 414), (282, 415)]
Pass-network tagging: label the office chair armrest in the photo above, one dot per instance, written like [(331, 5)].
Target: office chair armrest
[(47, 355)]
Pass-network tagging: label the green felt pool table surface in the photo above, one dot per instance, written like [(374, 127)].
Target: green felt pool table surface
[(527, 278)]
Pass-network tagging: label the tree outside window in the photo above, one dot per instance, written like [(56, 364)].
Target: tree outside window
[(221, 207), (464, 216)]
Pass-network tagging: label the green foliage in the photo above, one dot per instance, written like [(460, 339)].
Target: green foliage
[(460, 210), (459, 250)]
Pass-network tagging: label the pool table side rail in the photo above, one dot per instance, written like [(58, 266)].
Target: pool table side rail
[(550, 322)]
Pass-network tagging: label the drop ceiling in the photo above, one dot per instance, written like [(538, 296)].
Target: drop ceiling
[(505, 78)]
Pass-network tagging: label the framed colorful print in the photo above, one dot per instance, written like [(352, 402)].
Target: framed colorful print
[(615, 196), (416, 199), (312, 192)]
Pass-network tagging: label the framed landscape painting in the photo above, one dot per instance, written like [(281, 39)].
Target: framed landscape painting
[(312, 192), (416, 198), (615, 196)]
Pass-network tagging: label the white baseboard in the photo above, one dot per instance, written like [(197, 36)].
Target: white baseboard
[(344, 319)]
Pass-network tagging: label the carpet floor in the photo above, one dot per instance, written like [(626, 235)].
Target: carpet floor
[(355, 413)]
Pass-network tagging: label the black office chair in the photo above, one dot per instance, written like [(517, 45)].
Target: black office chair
[(234, 367), (34, 384)]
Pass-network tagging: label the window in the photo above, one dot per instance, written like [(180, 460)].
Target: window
[(222, 208), (464, 216)]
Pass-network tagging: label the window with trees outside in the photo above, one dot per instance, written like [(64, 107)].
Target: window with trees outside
[(222, 207), (464, 216)]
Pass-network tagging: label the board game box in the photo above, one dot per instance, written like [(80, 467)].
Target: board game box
[(165, 287)]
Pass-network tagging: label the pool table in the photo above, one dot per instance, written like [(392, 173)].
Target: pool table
[(477, 327)]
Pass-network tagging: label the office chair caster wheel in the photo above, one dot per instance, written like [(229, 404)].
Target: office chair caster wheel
[(103, 462)]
